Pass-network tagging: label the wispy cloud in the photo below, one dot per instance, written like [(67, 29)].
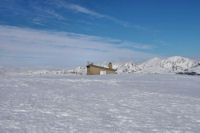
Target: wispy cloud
[(55, 11), (54, 14), (80, 9), (133, 45), (45, 15), (60, 48), (161, 42)]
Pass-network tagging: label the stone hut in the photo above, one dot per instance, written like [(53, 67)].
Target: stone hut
[(99, 70)]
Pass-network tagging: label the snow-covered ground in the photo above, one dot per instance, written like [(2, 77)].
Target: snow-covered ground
[(135, 103)]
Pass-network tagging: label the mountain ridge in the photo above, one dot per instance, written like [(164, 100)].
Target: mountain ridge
[(175, 64)]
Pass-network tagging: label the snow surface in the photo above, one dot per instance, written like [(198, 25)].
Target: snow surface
[(139, 103)]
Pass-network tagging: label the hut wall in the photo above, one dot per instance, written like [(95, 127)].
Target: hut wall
[(92, 70)]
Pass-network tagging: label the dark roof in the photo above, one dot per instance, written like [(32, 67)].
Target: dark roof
[(101, 67)]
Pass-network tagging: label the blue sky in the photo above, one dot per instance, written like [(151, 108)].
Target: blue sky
[(71, 32)]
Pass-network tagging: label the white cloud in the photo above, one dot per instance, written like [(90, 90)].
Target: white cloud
[(35, 47)]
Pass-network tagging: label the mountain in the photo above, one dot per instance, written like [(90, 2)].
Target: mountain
[(128, 67), (174, 64), (151, 66), (177, 63), (78, 70), (156, 65), (195, 69)]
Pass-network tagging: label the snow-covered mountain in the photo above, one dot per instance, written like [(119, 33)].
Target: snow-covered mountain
[(170, 65), (151, 66), (156, 65), (78, 70), (177, 63), (128, 67), (174, 64)]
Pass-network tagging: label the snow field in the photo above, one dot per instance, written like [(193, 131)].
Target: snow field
[(139, 103)]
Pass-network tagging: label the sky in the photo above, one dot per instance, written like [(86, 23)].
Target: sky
[(66, 33)]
